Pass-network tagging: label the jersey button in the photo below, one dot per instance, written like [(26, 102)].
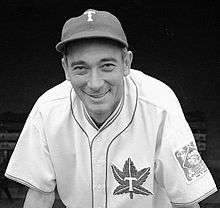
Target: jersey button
[(99, 139), (100, 163), (99, 188)]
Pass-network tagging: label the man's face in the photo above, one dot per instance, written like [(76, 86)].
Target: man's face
[(96, 70)]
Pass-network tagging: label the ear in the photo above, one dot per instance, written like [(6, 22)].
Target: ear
[(127, 63), (65, 68)]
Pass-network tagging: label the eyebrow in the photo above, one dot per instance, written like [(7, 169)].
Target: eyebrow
[(74, 63), (80, 62), (108, 59)]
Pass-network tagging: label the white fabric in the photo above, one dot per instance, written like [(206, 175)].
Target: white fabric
[(59, 146)]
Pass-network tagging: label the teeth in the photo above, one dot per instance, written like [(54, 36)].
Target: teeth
[(97, 96)]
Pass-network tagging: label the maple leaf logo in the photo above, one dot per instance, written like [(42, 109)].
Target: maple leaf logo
[(130, 179)]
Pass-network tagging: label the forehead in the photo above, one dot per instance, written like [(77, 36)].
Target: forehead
[(92, 47)]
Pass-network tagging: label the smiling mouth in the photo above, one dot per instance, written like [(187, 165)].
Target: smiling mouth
[(99, 95)]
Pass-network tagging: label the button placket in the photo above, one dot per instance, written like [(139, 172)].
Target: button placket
[(99, 163), (98, 139), (98, 150), (99, 188)]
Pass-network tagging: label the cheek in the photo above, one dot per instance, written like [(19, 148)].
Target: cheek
[(116, 87), (77, 82), (115, 79)]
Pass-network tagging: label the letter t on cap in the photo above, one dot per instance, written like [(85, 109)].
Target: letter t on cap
[(89, 13)]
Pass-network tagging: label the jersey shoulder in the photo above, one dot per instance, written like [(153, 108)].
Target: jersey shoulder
[(53, 101), (154, 91), (58, 92)]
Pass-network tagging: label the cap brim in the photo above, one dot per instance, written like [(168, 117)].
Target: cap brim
[(87, 35)]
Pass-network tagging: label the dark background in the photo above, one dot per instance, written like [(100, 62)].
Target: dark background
[(176, 42)]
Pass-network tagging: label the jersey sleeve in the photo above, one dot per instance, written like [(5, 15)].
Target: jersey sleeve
[(30, 163), (179, 166)]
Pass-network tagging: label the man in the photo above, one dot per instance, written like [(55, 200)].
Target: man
[(108, 136)]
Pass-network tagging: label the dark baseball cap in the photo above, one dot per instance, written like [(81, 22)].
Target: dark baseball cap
[(92, 24)]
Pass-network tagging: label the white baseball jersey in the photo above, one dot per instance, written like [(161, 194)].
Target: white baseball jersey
[(144, 155)]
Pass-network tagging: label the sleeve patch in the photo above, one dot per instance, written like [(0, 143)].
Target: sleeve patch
[(191, 162)]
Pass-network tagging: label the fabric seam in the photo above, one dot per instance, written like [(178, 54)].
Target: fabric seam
[(198, 199), (28, 184)]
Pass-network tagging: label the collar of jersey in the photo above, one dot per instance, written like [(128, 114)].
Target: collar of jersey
[(108, 121)]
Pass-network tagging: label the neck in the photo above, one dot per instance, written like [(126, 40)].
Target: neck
[(100, 117)]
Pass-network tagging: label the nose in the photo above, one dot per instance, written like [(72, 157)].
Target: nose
[(95, 81)]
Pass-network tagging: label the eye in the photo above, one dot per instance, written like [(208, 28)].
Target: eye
[(79, 69), (108, 67)]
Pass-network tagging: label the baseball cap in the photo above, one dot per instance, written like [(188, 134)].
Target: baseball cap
[(92, 24)]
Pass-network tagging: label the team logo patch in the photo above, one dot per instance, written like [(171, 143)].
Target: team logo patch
[(191, 162), (130, 180)]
